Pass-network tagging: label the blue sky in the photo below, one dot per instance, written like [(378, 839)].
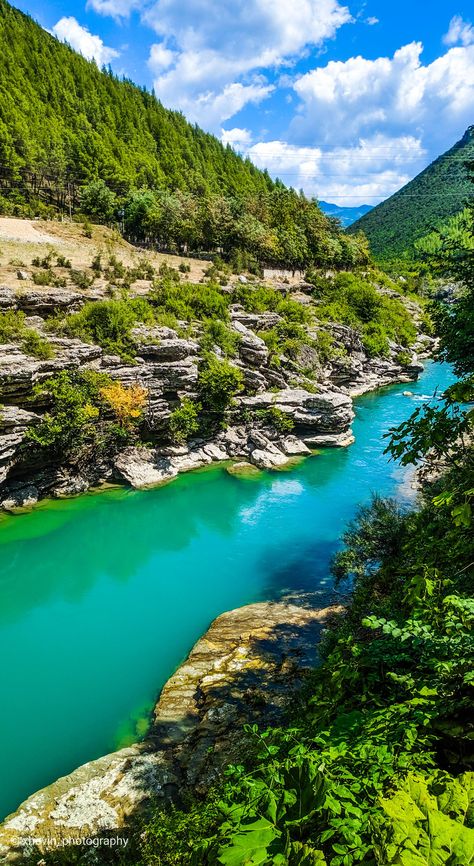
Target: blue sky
[(346, 100)]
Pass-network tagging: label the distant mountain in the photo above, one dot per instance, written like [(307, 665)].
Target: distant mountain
[(424, 204), (347, 215)]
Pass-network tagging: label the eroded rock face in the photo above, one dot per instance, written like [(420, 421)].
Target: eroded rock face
[(166, 365), (245, 669)]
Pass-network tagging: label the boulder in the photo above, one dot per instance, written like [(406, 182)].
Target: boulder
[(252, 349), (142, 467)]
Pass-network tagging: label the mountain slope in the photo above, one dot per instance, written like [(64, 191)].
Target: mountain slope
[(425, 203), (59, 114), (346, 215)]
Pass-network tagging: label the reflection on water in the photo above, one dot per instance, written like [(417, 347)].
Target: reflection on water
[(102, 597)]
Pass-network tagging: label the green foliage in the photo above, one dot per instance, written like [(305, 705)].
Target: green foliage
[(83, 414), (184, 421), (167, 182), (98, 201), (427, 202), (189, 301), (13, 328), (354, 301), (109, 324), (219, 383), (75, 409), (218, 333), (276, 418)]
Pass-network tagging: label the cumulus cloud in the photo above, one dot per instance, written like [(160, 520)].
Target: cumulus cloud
[(239, 139), (394, 96), (221, 47), (372, 20), (117, 9), (460, 32), (161, 58), (365, 173), (82, 40)]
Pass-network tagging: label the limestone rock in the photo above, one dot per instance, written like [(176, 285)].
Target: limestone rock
[(246, 669), (142, 468), (252, 349)]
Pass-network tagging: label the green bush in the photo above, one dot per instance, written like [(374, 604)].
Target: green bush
[(74, 413), (403, 358), (190, 301), (35, 345), (81, 279), (217, 333), (13, 328), (109, 323), (352, 300), (184, 421), (276, 418), (219, 383)]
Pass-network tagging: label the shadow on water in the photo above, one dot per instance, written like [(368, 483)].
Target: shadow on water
[(285, 654)]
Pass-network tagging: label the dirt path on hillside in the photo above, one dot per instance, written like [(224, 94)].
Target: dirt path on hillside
[(12, 229)]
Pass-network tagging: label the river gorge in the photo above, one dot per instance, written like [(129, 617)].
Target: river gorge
[(102, 596)]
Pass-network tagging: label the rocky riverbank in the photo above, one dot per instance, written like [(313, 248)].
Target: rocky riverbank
[(312, 391), (245, 669)]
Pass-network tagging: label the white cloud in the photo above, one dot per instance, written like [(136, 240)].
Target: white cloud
[(117, 9), (392, 96), (221, 46), (459, 32), (82, 40), (372, 20), (365, 173), (161, 58), (239, 139)]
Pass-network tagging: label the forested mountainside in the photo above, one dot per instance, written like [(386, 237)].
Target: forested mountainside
[(423, 205), (74, 138)]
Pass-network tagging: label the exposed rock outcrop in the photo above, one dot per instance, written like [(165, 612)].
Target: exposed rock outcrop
[(246, 669), (313, 392)]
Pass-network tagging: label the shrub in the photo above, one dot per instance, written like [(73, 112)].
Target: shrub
[(81, 280), (74, 398), (96, 264), (184, 421), (219, 382), (217, 333), (184, 268), (87, 229), (109, 323), (80, 402), (127, 403), (44, 278), (325, 346), (403, 358), (276, 418), (190, 301), (35, 345), (12, 327), (63, 262)]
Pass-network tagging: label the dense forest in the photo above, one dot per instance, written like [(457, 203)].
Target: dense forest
[(422, 206), (74, 138)]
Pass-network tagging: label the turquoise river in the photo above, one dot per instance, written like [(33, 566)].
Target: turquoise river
[(101, 597)]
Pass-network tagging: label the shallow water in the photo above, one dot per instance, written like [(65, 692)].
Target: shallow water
[(102, 597)]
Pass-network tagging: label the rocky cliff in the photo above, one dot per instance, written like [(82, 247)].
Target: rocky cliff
[(312, 391)]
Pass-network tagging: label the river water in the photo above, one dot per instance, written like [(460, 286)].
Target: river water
[(101, 597)]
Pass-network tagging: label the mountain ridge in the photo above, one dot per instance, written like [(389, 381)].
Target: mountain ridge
[(395, 224)]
